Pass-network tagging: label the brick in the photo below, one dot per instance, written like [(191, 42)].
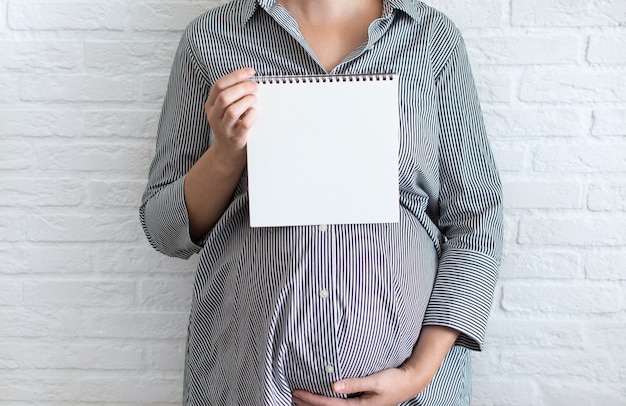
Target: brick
[(581, 392), (607, 197), (502, 391), (12, 227), (580, 230), (69, 123), (64, 293), (83, 228), (473, 13), (71, 403), (535, 122), (166, 294), (89, 324), (609, 122), (32, 55), (134, 56), (608, 334), (153, 87), (607, 48), (542, 264), (166, 16), (588, 365), (39, 192), (38, 123), (558, 298), (510, 156), (130, 159), (510, 229), (55, 260), (580, 158), (12, 262), (151, 325), (496, 309), (516, 334), (164, 356), (526, 49), (154, 389), (493, 84), (39, 323), (16, 155), (140, 260), (486, 363), (3, 15), (606, 265), (119, 123), (76, 355), (67, 15), (557, 194), (10, 295), (580, 85), (571, 13), (104, 389), (20, 388), (9, 91), (75, 88), (115, 193)]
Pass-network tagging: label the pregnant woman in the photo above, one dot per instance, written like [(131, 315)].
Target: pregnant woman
[(340, 314)]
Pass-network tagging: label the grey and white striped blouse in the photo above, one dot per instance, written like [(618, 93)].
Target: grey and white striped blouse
[(278, 309)]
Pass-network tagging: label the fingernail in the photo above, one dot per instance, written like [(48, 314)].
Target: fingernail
[(339, 387)]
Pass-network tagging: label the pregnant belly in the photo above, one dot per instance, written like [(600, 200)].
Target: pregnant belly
[(354, 311)]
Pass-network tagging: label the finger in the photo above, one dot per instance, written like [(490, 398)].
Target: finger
[(232, 95), (248, 119), (237, 110), (300, 402), (355, 385), (308, 398), (223, 83), (227, 99)]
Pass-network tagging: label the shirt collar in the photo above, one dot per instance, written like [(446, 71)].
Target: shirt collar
[(410, 7)]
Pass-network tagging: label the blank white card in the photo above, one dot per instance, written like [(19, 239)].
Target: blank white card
[(324, 150)]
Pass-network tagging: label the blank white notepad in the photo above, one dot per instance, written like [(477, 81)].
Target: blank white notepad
[(324, 150)]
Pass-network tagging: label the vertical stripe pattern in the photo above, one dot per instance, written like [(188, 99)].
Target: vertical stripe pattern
[(278, 309)]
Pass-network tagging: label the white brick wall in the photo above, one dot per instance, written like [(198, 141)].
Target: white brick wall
[(89, 314)]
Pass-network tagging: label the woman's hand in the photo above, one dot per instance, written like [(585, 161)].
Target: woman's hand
[(385, 388), (229, 109), (396, 385), (210, 183)]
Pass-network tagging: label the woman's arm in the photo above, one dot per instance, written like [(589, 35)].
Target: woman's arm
[(210, 183), (175, 211), (395, 385)]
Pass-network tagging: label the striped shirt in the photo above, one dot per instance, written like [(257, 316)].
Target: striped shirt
[(278, 309)]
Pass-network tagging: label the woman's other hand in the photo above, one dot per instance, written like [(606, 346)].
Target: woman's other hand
[(229, 109), (386, 388)]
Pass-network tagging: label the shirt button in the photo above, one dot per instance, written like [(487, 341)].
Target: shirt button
[(323, 227), (329, 369), (324, 294)]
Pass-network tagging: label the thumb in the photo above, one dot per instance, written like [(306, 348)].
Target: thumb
[(353, 385)]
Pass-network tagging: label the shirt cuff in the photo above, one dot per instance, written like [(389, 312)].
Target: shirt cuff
[(165, 222), (463, 295)]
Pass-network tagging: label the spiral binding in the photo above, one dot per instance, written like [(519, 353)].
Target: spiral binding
[(284, 79)]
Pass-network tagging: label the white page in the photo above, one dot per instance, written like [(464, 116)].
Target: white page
[(324, 153)]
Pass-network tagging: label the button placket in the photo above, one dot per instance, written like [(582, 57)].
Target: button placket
[(324, 297)]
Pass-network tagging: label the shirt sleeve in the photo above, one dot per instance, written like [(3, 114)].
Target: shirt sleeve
[(183, 136), (470, 204)]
